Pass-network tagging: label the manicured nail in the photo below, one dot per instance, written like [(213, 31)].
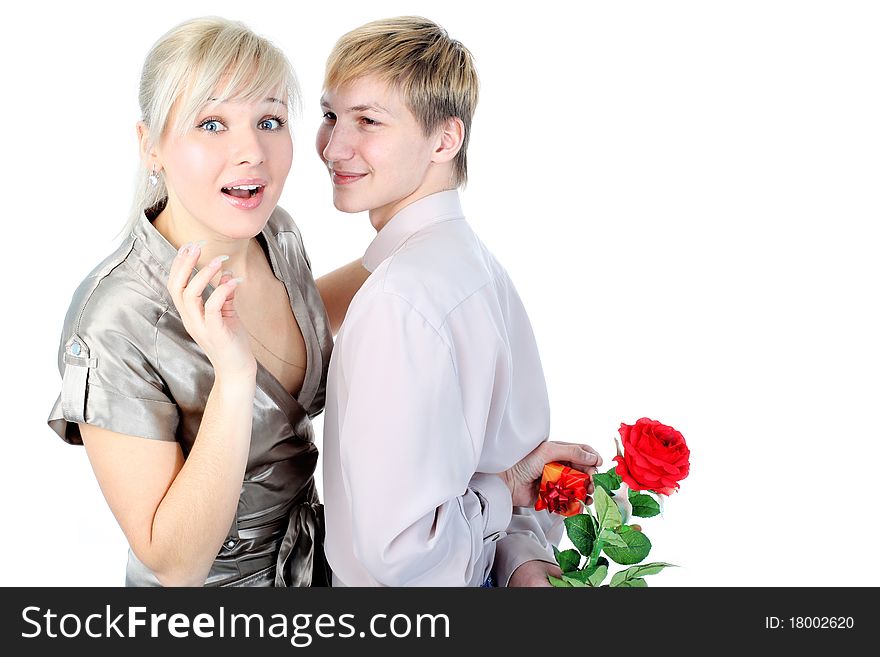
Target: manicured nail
[(195, 247), (232, 282), (226, 272), (219, 259), (183, 249)]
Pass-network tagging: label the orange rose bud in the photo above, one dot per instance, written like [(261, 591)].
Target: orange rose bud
[(562, 489)]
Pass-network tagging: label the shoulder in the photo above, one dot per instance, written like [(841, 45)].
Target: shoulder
[(438, 269), (113, 300)]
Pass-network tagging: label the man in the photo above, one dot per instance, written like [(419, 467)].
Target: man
[(437, 414)]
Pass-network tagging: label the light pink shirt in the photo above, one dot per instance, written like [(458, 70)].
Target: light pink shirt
[(435, 383)]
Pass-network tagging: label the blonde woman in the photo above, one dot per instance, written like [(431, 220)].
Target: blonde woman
[(193, 393)]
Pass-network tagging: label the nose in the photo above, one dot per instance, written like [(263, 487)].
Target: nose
[(248, 148), (334, 144)]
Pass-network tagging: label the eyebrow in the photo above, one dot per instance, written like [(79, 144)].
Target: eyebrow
[(360, 108)]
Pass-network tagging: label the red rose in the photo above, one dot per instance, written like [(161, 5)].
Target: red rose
[(655, 457)]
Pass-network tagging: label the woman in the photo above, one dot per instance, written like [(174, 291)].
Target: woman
[(193, 398)]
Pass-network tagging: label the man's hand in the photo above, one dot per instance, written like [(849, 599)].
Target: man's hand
[(524, 477), (534, 573)]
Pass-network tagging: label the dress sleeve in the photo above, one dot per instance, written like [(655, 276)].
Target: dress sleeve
[(108, 380), (421, 515)]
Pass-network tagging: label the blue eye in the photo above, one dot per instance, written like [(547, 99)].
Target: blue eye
[(271, 123), (211, 125)]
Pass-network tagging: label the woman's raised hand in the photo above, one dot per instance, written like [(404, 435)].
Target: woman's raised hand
[(214, 324)]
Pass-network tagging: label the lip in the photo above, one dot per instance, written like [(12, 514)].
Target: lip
[(246, 181), (345, 177), (250, 203)]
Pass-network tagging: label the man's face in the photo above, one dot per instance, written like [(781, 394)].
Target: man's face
[(375, 150)]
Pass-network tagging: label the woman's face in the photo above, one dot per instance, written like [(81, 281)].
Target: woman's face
[(227, 171)]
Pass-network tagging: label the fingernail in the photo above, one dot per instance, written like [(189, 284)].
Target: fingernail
[(183, 249), (235, 281), (226, 272), (219, 259), (195, 247)]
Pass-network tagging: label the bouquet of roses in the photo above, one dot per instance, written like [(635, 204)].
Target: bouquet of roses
[(651, 459)]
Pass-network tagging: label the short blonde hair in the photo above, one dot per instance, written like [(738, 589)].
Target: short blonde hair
[(434, 73), (204, 59)]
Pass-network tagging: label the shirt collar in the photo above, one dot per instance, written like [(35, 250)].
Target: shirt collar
[(154, 242), (153, 249), (434, 208)]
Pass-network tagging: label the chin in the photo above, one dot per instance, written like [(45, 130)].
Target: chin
[(348, 205), (243, 227)]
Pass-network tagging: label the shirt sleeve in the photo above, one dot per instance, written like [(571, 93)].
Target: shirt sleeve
[(108, 379), (421, 514), (530, 536)]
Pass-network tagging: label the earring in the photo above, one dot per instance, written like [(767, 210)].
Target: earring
[(153, 178)]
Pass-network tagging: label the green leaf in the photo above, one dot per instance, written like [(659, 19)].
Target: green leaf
[(609, 537), (555, 581), (576, 583), (589, 570), (596, 578), (581, 529), (580, 575), (643, 506), (637, 583), (568, 559), (607, 480), (638, 547), (606, 510), (637, 572)]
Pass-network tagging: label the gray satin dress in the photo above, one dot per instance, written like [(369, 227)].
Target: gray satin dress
[(129, 365)]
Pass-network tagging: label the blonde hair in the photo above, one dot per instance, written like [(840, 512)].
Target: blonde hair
[(203, 59), (434, 73)]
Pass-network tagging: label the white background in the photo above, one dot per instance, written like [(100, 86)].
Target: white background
[(685, 193)]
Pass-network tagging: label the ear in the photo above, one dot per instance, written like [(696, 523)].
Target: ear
[(449, 140), (149, 154)]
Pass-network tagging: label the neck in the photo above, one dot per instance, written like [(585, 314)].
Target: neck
[(381, 216), (179, 229)]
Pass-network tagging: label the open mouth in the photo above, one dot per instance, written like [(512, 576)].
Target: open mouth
[(242, 191)]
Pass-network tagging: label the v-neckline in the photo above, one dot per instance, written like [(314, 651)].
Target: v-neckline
[(296, 407), (292, 290), (292, 405)]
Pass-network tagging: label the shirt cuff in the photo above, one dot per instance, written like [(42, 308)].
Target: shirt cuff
[(495, 499)]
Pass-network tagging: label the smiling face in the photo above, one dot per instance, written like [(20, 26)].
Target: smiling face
[(378, 156), (226, 172)]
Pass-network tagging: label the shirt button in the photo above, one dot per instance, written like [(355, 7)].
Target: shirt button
[(75, 349)]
